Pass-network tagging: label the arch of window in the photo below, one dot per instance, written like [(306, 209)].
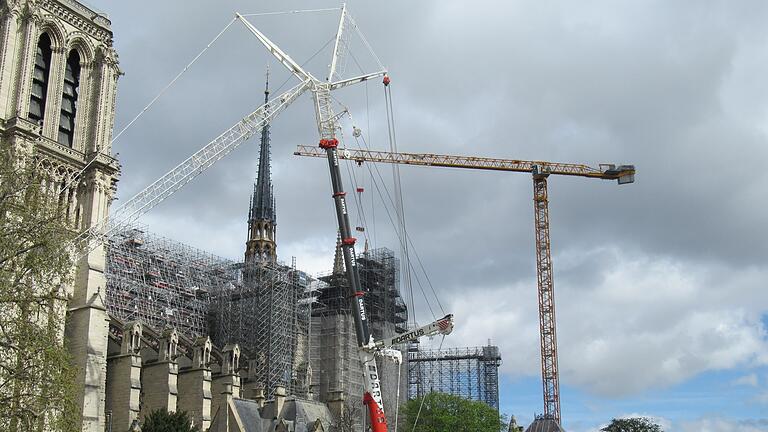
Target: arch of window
[(40, 77), (69, 99)]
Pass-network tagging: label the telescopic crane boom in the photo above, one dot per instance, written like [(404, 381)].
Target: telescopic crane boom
[(540, 170)]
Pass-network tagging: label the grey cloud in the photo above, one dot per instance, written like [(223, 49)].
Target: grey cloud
[(676, 88)]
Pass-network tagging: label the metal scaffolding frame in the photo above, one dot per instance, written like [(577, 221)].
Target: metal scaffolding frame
[(472, 373), (260, 312), (162, 282), (334, 358), (379, 276), (165, 283)]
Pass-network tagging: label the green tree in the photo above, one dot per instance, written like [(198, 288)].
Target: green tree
[(161, 420), (636, 424), (444, 412), (36, 374)]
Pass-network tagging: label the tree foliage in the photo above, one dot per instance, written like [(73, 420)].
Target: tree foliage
[(161, 420), (636, 424), (36, 376), (444, 412)]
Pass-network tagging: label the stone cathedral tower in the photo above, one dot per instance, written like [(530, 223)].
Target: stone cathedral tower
[(58, 77), (262, 222)]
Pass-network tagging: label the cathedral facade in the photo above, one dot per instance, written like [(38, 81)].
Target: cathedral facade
[(58, 78)]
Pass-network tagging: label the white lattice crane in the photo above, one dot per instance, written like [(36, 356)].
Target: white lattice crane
[(125, 215)]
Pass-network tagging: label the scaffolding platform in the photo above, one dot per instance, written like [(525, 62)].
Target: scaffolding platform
[(471, 373)]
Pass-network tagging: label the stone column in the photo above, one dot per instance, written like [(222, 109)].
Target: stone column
[(226, 384), (84, 106), (336, 403), (251, 387), (195, 385), (25, 62), (104, 103), (160, 379), (52, 114), (9, 50), (87, 326), (124, 380)]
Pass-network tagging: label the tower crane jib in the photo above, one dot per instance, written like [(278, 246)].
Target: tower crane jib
[(540, 171)]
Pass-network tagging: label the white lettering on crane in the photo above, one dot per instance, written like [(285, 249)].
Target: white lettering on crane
[(361, 304), (375, 385), (343, 206), (408, 336)]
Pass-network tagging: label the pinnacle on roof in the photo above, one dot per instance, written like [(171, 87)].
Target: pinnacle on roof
[(338, 257)]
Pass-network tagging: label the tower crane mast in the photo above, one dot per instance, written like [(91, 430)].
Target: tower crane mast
[(540, 171)]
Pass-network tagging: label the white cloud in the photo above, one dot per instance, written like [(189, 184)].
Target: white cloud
[(721, 425), (746, 380), (647, 323)]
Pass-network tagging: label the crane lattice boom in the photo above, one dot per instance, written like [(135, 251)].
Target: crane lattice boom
[(204, 158), (183, 173)]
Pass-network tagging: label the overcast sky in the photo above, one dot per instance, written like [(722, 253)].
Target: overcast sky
[(660, 285)]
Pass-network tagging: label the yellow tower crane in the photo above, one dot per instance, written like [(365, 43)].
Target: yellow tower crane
[(540, 170)]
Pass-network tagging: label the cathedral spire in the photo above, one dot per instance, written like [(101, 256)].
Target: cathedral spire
[(262, 219), (338, 257), (263, 206)]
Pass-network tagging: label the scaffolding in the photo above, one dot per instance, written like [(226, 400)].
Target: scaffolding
[(259, 311), (379, 276), (471, 373), (333, 344), (162, 282)]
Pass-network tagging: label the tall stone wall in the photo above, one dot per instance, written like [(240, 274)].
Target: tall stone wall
[(71, 28)]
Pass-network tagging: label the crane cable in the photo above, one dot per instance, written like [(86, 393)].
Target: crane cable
[(390, 202), (424, 397), (398, 191), (152, 102), (401, 239), (178, 76), (410, 269), (397, 398)]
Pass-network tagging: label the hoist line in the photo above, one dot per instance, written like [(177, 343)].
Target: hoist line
[(305, 63), (391, 202), (410, 269), (398, 191), (368, 132), (424, 397), (290, 12), (173, 81), (355, 198), (408, 238), (397, 398), (418, 257), (401, 240), (365, 41), (358, 200)]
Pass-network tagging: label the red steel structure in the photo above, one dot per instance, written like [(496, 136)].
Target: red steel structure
[(541, 171)]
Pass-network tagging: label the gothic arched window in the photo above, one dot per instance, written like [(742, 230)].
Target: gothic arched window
[(69, 99), (40, 79)]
